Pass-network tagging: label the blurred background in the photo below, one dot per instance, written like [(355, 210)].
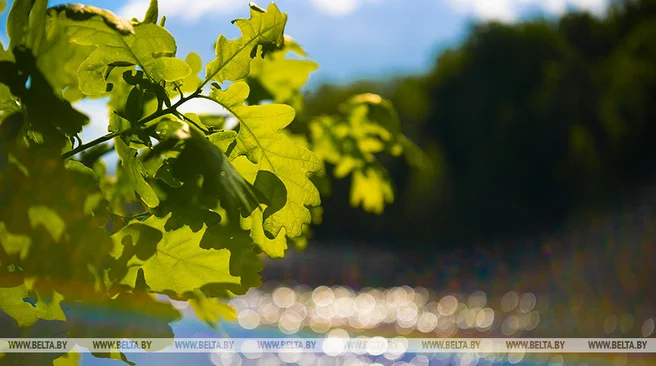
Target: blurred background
[(539, 118), (536, 114), (531, 124)]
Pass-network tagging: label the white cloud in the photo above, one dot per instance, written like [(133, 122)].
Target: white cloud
[(190, 10), (340, 7), (337, 7), (509, 10), (187, 10)]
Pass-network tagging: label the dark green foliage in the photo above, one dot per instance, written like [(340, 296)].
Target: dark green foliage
[(527, 124), (193, 206)]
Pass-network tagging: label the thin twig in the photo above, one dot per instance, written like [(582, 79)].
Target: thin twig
[(192, 122), (109, 136), (89, 145)]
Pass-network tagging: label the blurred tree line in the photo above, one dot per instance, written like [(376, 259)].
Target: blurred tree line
[(527, 124)]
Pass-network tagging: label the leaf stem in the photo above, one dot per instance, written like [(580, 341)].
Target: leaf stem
[(89, 145), (208, 98), (170, 110), (192, 122)]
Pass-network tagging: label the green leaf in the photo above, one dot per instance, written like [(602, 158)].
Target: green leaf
[(118, 124), (371, 127), (118, 191), (202, 157), (11, 302), (292, 46), (192, 82), (179, 265), (18, 22), (70, 359), (168, 128), (59, 222), (245, 260), (57, 58), (371, 109), (210, 310), (78, 12), (233, 58), (113, 355), (73, 238), (8, 104), (281, 77), (13, 245), (135, 173), (151, 13), (371, 189), (268, 149), (213, 121), (273, 247), (165, 173), (150, 47), (223, 139), (35, 35), (50, 309), (194, 119), (48, 114), (49, 219)]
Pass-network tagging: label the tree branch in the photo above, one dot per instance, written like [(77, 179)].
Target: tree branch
[(154, 115), (89, 145)]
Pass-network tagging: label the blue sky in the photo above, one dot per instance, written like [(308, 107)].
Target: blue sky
[(350, 39)]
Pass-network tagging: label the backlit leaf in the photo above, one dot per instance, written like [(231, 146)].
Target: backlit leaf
[(47, 231), (281, 78), (178, 265), (210, 310), (371, 190), (268, 149), (371, 126), (118, 124), (72, 358), (192, 82), (12, 303), (150, 47), (135, 173), (233, 58), (151, 13)]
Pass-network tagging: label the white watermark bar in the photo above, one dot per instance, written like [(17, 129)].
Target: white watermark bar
[(330, 346)]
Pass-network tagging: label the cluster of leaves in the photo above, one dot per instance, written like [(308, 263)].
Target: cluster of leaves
[(561, 127), (367, 126), (193, 204)]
